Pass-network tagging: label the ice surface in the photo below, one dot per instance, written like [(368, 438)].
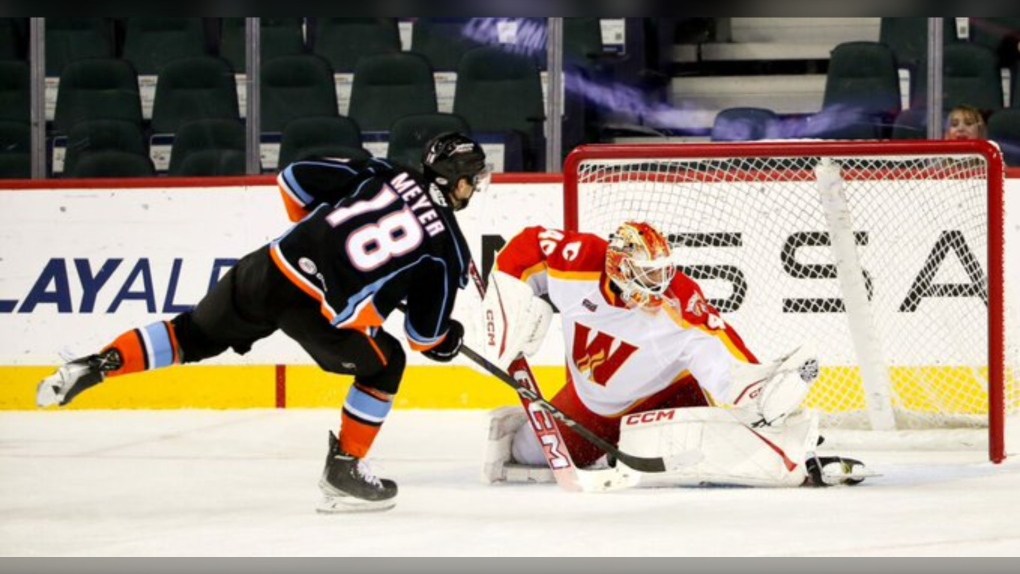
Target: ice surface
[(243, 483)]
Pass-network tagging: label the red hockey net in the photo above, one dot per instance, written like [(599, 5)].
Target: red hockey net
[(887, 256)]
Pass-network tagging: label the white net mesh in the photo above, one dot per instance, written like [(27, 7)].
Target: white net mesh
[(754, 232)]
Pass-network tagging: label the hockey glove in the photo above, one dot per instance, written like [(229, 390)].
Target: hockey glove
[(445, 352)]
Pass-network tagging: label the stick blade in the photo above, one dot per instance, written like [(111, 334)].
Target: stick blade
[(618, 477)]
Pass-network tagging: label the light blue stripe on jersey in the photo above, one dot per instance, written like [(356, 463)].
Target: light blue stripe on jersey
[(361, 186), (158, 346), (417, 337), (382, 161), (288, 179), (366, 407)]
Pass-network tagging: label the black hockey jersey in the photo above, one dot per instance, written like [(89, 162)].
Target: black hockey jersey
[(372, 234)]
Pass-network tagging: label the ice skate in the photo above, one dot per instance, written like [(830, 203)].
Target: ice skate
[(74, 377), (835, 470), (349, 486)]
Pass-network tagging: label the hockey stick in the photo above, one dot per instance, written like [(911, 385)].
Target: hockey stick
[(639, 463)]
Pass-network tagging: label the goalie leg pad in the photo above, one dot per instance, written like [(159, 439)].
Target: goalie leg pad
[(499, 466), (731, 452)]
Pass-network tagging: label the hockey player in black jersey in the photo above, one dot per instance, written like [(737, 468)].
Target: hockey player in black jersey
[(369, 235)]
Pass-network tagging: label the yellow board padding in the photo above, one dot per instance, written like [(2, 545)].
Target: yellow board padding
[(241, 387), (921, 389), (944, 389), (422, 388), (204, 387)]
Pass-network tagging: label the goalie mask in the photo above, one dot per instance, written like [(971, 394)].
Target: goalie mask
[(450, 157), (639, 262)]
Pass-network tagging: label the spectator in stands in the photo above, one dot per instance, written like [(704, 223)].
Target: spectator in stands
[(966, 123)]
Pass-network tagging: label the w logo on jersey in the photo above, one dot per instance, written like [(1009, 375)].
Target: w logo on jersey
[(597, 360)]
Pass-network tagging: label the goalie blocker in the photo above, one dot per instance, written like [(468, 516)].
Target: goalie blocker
[(515, 320)]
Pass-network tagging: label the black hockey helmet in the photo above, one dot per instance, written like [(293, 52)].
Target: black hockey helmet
[(451, 156)]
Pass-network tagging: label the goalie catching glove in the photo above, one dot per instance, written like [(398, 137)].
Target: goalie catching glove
[(514, 320), (767, 394), (445, 351)]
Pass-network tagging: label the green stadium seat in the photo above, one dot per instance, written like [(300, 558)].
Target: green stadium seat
[(343, 41), (97, 88), (208, 147), (319, 136), (409, 134), (295, 87), (389, 86), (191, 89)]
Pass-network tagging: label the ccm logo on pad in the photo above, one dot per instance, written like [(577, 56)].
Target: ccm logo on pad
[(490, 328), (648, 417)]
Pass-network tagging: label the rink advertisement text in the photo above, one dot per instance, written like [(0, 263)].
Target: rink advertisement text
[(115, 281)]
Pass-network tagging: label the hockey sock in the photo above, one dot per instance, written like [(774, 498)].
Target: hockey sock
[(364, 412), (150, 347)]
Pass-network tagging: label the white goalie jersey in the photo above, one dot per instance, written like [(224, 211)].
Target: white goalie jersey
[(617, 355)]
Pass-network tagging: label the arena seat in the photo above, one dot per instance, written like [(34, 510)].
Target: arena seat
[(389, 86)]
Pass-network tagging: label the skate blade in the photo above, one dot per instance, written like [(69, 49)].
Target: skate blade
[(608, 479), (349, 505)]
